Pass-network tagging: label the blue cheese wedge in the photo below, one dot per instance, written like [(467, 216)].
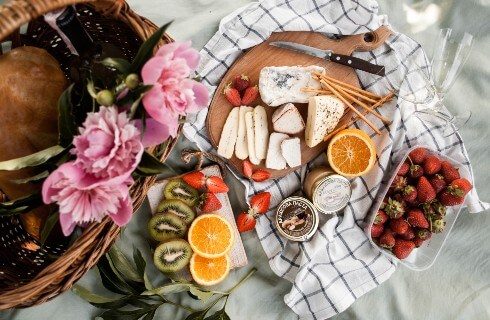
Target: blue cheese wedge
[(324, 113), (279, 85)]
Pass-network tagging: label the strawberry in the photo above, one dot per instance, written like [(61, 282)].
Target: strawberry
[(399, 183), (245, 222), (399, 226), (437, 226), (416, 171), (460, 187), (408, 235), (417, 242), (233, 96), (241, 82), (247, 168), (260, 175), (209, 202), (403, 169), (439, 210), (418, 155), (409, 194), (195, 179), (402, 248), (394, 209), (423, 234), (425, 191), (449, 172), (250, 95), (215, 184), (438, 182), (432, 164), (449, 199), (376, 230), (416, 218), (387, 240), (260, 202), (381, 217)]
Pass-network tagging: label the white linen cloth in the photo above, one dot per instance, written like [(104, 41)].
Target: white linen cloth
[(338, 265)]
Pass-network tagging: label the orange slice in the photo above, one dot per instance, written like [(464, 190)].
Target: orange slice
[(209, 271), (351, 153), (210, 236)]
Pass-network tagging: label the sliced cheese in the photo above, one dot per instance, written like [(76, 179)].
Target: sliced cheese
[(279, 85), (275, 160), (249, 123), (261, 131), (241, 147), (287, 119), (229, 134), (291, 151), (324, 113)]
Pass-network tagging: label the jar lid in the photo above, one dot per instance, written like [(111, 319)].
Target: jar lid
[(296, 218), (332, 194)]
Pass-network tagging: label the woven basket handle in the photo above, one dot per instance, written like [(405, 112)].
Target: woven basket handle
[(16, 13)]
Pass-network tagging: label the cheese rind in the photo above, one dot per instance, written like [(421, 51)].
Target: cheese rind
[(279, 85), (324, 113), (261, 130), (291, 151), (275, 159), (287, 119), (241, 147)]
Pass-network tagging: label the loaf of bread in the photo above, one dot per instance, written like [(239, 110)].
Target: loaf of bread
[(31, 82)]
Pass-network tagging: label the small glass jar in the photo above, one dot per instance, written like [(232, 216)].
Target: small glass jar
[(328, 191), (296, 218)]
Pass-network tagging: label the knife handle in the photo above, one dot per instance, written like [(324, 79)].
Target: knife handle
[(357, 63)]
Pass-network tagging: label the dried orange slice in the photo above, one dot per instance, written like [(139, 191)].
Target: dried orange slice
[(209, 271), (210, 236), (351, 153)]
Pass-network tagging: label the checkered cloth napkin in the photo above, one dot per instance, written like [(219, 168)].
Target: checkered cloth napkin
[(338, 265)]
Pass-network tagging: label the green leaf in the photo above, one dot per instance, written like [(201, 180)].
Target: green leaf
[(112, 304), (150, 315), (201, 294), (146, 49), (139, 261), (89, 296), (122, 264), (32, 160), (198, 315), (51, 221), (148, 284), (150, 166), (121, 65), (124, 314), (35, 178), (219, 315), (167, 289), (112, 280), (66, 121)]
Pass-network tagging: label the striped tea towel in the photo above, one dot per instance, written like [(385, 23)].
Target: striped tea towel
[(338, 265)]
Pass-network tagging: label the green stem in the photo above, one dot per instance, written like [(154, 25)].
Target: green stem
[(179, 305), (248, 275)]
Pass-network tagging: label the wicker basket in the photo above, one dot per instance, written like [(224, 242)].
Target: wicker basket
[(31, 274)]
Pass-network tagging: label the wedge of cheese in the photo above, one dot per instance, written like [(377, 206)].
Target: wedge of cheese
[(250, 128), (287, 119), (229, 134), (275, 159), (324, 113), (261, 132), (241, 147), (279, 85), (291, 151)]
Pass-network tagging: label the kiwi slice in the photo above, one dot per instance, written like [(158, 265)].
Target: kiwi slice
[(179, 190), (178, 208), (172, 256), (163, 227)]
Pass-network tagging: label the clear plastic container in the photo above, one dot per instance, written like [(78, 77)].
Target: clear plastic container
[(423, 257)]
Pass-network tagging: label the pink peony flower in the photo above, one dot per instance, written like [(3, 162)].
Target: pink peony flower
[(173, 94), (109, 146), (84, 198)]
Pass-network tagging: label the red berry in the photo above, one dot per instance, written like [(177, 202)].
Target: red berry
[(260, 202), (260, 175), (195, 179), (460, 187), (381, 217), (233, 96), (241, 82), (449, 199), (387, 240), (209, 203), (247, 169), (418, 155), (423, 234), (417, 242), (425, 191), (409, 235), (398, 184), (438, 182), (416, 171), (432, 165), (449, 172), (409, 194), (215, 184), (376, 230), (416, 218), (250, 95), (402, 248), (403, 169), (399, 226), (245, 222)]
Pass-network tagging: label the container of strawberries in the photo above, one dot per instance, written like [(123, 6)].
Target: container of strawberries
[(418, 207)]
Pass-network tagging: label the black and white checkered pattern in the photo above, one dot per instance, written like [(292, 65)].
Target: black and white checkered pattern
[(338, 265)]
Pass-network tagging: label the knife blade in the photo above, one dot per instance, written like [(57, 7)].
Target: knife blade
[(345, 60)]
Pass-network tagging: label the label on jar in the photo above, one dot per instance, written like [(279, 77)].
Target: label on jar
[(332, 194), (296, 218)]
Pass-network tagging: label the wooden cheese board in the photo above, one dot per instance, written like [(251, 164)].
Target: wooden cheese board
[(264, 55)]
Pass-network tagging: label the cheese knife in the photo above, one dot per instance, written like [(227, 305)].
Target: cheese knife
[(349, 61)]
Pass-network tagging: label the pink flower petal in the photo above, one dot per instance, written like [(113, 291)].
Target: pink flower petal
[(201, 95), (152, 70), (125, 212), (155, 133), (67, 224)]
